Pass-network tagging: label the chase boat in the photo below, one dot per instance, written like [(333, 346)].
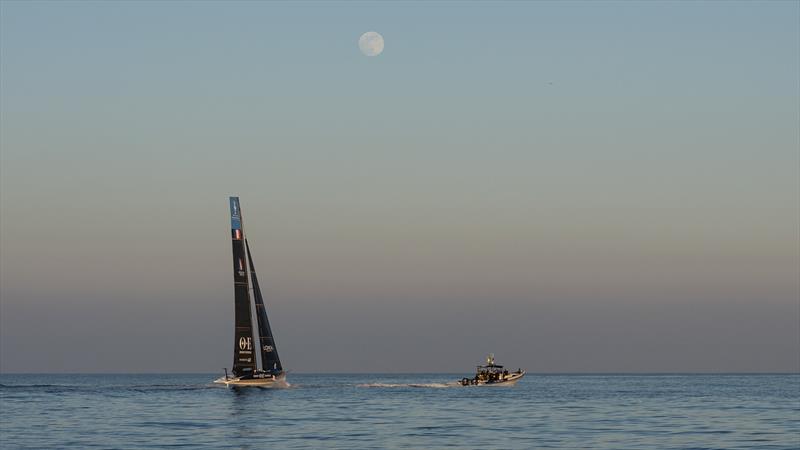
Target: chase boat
[(492, 374)]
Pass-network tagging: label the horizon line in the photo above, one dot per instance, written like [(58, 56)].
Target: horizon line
[(414, 373)]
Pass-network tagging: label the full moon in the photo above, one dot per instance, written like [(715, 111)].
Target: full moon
[(371, 43)]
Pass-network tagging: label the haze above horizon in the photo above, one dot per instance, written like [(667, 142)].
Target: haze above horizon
[(577, 187)]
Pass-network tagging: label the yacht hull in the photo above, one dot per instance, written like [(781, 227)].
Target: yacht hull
[(278, 382), (510, 380)]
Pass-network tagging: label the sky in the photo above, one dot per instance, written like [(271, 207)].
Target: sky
[(574, 186)]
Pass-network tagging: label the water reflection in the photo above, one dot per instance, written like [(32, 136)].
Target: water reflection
[(247, 413)]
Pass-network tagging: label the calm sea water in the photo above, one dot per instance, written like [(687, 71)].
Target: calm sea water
[(401, 411)]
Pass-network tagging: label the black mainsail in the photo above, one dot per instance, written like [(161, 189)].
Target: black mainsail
[(269, 353), (244, 359)]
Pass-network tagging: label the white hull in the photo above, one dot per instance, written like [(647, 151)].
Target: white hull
[(279, 382), (510, 380)]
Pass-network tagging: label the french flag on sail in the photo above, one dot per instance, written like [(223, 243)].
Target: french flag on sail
[(236, 219)]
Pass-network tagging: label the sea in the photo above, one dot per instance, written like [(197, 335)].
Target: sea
[(416, 411)]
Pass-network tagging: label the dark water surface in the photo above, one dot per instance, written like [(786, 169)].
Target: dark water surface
[(401, 411)]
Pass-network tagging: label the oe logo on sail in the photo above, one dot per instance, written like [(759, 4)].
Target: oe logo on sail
[(245, 343)]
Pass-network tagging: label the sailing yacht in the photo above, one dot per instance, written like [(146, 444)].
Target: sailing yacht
[(251, 344)]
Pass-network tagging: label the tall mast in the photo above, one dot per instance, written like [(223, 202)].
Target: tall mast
[(244, 358)]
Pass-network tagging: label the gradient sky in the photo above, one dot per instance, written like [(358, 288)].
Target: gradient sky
[(572, 186)]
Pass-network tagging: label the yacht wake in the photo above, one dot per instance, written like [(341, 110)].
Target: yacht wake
[(407, 385)]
